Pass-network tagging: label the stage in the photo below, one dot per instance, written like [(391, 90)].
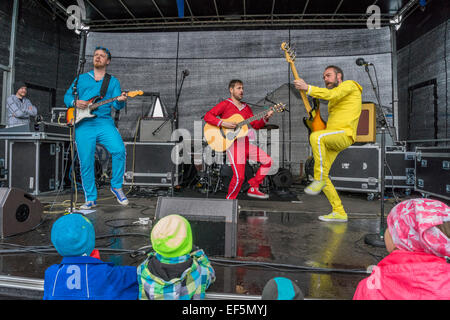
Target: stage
[(274, 238)]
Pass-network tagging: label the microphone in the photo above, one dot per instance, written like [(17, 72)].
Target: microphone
[(185, 73), (362, 62)]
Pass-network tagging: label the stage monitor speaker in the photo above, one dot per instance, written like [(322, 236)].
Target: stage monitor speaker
[(213, 222), (367, 127), (19, 211)]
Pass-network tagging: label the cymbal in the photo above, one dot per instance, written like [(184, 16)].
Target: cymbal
[(270, 126)]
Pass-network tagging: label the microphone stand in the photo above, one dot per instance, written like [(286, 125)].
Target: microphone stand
[(175, 112), (377, 240), (83, 35)]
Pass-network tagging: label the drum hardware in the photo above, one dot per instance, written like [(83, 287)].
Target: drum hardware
[(270, 127)]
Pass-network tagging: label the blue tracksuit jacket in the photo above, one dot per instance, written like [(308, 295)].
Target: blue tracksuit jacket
[(87, 278)]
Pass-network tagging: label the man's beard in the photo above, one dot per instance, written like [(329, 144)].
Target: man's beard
[(331, 85), (99, 65), (238, 97)]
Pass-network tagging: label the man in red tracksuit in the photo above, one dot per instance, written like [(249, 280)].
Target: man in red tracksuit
[(241, 149)]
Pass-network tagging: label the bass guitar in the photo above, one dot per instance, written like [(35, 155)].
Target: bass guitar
[(94, 103), (220, 138), (313, 121)]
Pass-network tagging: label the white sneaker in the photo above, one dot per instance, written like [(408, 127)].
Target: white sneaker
[(88, 205), (121, 198)]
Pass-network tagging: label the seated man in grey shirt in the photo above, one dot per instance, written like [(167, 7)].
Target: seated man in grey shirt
[(18, 108)]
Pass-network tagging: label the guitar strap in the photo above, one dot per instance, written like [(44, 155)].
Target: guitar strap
[(103, 91), (105, 85)]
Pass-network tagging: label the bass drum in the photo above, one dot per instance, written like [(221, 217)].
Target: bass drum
[(226, 173)]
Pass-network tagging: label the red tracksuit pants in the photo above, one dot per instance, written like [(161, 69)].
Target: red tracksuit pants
[(237, 156)]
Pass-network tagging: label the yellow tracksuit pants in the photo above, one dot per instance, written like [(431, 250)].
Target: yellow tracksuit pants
[(326, 145)]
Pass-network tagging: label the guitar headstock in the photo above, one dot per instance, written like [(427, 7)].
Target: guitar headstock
[(133, 94), (280, 107), (288, 52)]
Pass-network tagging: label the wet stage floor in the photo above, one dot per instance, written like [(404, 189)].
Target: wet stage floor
[(274, 238)]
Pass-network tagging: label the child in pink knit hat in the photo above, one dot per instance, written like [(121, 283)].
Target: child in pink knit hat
[(418, 264)]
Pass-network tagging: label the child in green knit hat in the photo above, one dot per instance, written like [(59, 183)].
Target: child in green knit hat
[(174, 271)]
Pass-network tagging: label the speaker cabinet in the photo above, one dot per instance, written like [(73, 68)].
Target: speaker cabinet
[(213, 222), (19, 211), (367, 127)]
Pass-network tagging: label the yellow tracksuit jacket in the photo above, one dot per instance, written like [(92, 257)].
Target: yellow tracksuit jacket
[(344, 109), (344, 105)]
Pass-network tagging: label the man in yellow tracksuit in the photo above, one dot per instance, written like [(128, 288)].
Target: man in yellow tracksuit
[(344, 109)]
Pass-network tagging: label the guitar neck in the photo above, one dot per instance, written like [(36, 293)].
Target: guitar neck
[(302, 93), (98, 104), (255, 117)]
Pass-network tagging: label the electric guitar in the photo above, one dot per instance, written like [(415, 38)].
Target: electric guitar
[(313, 121), (220, 138), (93, 105)]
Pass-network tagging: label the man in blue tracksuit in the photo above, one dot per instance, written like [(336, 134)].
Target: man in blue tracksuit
[(101, 129)]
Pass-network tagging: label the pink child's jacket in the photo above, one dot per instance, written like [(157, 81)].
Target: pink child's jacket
[(404, 275)]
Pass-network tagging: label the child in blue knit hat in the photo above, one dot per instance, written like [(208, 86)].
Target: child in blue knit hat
[(280, 288), (80, 276)]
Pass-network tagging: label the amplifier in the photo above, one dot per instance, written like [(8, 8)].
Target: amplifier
[(150, 164), (155, 129), (367, 128), (44, 127)]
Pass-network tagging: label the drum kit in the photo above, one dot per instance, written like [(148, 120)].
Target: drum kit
[(211, 171)]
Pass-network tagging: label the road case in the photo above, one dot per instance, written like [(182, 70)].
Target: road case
[(152, 164), (400, 168), (35, 166), (433, 171), (358, 169)]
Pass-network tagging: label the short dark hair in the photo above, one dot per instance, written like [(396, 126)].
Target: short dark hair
[(337, 70), (233, 83)]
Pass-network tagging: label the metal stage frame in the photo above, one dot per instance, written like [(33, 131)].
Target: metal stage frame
[(216, 18)]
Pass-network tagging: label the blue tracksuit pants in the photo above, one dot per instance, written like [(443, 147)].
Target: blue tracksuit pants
[(87, 135)]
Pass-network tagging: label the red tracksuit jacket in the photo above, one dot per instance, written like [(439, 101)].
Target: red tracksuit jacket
[(226, 109)]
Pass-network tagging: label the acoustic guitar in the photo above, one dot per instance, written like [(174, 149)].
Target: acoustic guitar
[(94, 103), (220, 139), (313, 121)]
